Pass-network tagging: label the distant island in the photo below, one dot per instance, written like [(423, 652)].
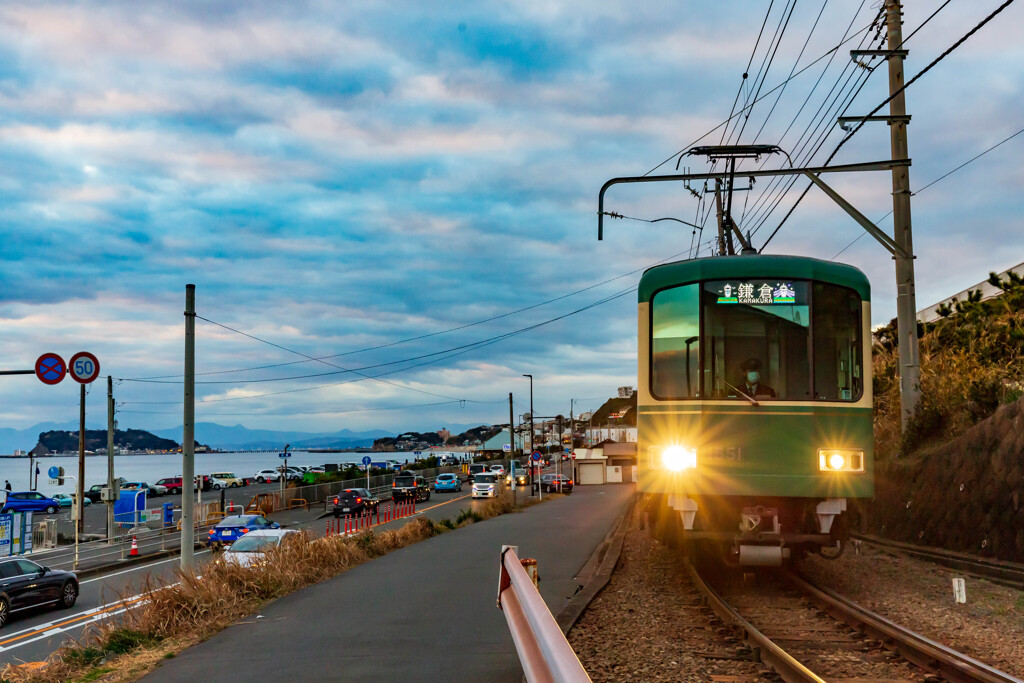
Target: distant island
[(135, 440)]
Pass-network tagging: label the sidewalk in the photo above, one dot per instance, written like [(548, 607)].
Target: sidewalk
[(432, 605)]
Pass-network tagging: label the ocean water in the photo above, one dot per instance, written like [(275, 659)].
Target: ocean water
[(150, 468)]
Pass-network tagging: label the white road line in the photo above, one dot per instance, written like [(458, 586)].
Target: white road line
[(138, 568)]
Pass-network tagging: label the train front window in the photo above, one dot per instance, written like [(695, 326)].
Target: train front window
[(675, 344), (837, 343), (756, 339)]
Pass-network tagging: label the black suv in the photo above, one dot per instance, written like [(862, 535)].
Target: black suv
[(407, 486), (349, 503)]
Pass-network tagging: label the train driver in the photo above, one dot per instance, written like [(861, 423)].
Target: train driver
[(753, 386)]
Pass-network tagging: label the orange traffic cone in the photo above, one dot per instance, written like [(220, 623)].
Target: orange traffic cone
[(135, 548)]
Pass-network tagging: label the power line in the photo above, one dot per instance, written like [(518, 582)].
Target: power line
[(942, 177), (886, 101), (766, 94), (780, 31), (315, 412), (472, 347)]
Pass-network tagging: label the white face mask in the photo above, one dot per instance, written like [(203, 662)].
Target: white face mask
[(753, 376)]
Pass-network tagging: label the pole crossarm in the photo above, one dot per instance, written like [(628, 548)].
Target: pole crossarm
[(17, 372), (889, 243), (885, 165)]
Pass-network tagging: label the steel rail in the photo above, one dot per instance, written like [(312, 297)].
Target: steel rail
[(924, 652), (1008, 574), (770, 654), (543, 651)]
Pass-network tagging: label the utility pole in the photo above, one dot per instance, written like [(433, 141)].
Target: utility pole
[(188, 433), (721, 217), (511, 444), (79, 507), (906, 298), (110, 460), (532, 432)]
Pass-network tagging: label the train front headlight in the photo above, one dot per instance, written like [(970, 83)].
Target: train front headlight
[(840, 460), (678, 458)]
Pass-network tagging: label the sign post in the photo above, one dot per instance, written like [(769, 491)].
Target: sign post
[(366, 463), (284, 470), (535, 458), (83, 368)]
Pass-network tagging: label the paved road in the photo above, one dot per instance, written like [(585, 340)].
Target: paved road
[(35, 634), (432, 606)]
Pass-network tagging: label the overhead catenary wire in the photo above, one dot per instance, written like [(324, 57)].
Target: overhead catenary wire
[(835, 48), (906, 85)]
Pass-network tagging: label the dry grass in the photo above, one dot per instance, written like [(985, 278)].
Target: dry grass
[(194, 608)]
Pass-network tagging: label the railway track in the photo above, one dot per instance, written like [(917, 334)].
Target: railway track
[(805, 633), (1007, 574)]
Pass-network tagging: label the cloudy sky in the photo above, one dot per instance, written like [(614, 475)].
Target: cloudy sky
[(410, 188)]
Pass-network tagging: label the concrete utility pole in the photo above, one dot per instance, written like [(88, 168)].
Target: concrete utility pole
[(721, 217), (80, 524), (906, 298), (110, 459), (188, 454), (511, 443)]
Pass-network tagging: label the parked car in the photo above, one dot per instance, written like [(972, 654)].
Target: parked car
[(95, 493), (447, 482), (29, 501), (556, 483), (230, 529), (292, 473), (25, 584), (229, 478), (215, 483), (476, 469), (317, 469), (151, 491), (349, 503), (485, 485), (172, 484), (250, 548), (372, 501), (66, 500), (407, 486), (267, 475)]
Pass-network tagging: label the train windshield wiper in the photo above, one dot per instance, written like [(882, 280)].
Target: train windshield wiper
[(739, 391)]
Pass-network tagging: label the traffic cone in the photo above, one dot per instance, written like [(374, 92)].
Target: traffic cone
[(135, 548)]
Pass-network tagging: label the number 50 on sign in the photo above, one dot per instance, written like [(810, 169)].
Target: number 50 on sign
[(83, 367)]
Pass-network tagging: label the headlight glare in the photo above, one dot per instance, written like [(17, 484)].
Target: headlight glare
[(840, 460), (678, 458)]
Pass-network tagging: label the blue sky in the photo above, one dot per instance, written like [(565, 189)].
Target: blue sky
[(340, 176)]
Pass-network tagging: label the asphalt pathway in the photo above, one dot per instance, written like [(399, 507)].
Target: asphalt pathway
[(423, 613)]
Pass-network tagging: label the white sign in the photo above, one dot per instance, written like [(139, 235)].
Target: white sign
[(506, 447)]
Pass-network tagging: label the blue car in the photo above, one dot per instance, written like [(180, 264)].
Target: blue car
[(230, 529), (29, 501), (448, 482)]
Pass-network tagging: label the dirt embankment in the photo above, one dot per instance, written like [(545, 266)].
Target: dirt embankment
[(965, 495)]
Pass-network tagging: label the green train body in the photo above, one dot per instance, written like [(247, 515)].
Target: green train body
[(761, 470)]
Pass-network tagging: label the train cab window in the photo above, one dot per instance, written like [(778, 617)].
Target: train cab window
[(675, 344), (756, 339), (837, 356)]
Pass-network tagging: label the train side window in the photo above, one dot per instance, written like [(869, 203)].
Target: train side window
[(675, 344), (837, 343)]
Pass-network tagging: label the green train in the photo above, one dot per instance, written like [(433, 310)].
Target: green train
[(754, 403)]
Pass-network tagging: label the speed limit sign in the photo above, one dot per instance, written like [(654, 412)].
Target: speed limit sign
[(83, 367)]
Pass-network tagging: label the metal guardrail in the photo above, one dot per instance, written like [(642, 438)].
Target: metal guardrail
[(544, 652)]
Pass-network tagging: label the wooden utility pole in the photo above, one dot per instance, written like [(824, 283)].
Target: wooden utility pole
[(188, 433), (110, 461), (906, 298)]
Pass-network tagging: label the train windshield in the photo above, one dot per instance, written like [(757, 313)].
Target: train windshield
[(761, 339)]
